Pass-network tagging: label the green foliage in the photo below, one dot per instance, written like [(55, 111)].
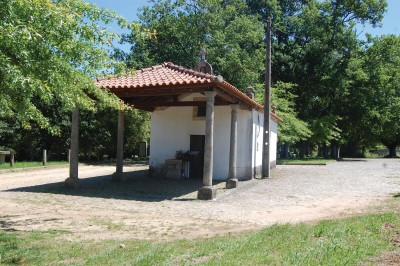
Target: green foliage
[(318, 50), (292, 129), (324, 130), (346, 91), (50, 51), (99, 132), (315, 47), (372, 99), (232, 38), (382, 65), (234, 41)]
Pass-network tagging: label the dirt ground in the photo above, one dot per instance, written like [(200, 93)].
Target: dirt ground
[(161, 209)]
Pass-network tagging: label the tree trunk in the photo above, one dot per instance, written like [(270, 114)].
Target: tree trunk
[(333, 150), (353, 150), (30, 146), (308, 149), (302, 149), (285, 150), (392, 151), (325, 152)]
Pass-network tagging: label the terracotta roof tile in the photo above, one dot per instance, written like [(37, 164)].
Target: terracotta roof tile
[(169, 74), (161, 75)]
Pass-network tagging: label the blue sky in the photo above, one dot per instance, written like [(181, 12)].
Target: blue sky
[(391, 21), (129, 9)]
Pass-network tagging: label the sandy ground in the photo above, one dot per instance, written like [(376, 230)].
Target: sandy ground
[(161, 209)]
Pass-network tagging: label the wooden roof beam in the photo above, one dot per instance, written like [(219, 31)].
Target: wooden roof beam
[(183, 103), (226, 96)]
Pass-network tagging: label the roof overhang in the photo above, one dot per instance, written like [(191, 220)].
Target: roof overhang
[(167, 84)]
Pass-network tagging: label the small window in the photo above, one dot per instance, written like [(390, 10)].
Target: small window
[(201, 111)]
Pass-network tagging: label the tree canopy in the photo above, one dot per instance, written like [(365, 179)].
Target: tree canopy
[(381, 64), (318, 60), (51, 51), (231, 35)]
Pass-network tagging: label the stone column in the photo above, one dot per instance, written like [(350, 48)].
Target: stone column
[(119, 174), (44, 161), (208, 192), (73, 181), (232, 181)]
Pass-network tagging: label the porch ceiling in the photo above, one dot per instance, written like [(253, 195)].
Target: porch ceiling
[(149, 98)]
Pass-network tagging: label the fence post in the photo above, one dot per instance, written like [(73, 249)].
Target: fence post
[(44, 157), (11, 159)]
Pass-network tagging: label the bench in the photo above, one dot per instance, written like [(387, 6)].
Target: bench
[(3, 157)]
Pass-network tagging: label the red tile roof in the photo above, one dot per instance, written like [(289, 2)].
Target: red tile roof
[(169, 74), (161, 75)]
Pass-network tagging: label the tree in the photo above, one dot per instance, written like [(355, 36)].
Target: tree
[(232, 38), (99, 137), (314, 45), (51, 51), (293, 129), (382, 65)]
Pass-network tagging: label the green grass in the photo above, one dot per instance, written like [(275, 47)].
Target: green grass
[(341, 242), (305, 161), (30, 164)]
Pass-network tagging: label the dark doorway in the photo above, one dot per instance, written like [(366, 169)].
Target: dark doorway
[(197, 161)]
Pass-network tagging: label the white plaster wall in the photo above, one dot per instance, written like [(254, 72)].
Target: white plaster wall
[(274, 142), (258, 127), (171, 129), (222, 136), (258, 121), (244, 167)]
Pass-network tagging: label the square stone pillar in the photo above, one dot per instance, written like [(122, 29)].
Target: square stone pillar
[(208, 192), (73, 181), (232, 181), (119, 173)]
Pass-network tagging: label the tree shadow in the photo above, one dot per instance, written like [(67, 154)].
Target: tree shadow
[(351, 160), (138, 186)]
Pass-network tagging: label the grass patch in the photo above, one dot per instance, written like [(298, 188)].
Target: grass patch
[(341, 242), (30, 164), (304, 161)]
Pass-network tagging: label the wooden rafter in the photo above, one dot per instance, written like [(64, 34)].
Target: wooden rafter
[(176, 103)]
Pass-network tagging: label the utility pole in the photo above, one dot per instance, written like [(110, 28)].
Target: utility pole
[(266, 165)]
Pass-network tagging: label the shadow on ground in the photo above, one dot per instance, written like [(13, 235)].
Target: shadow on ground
[(138, 186), (351, 160)]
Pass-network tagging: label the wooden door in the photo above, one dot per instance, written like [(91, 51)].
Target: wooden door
[(197, 161)]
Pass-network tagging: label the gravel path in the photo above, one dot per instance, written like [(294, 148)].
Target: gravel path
[(160, 209)]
